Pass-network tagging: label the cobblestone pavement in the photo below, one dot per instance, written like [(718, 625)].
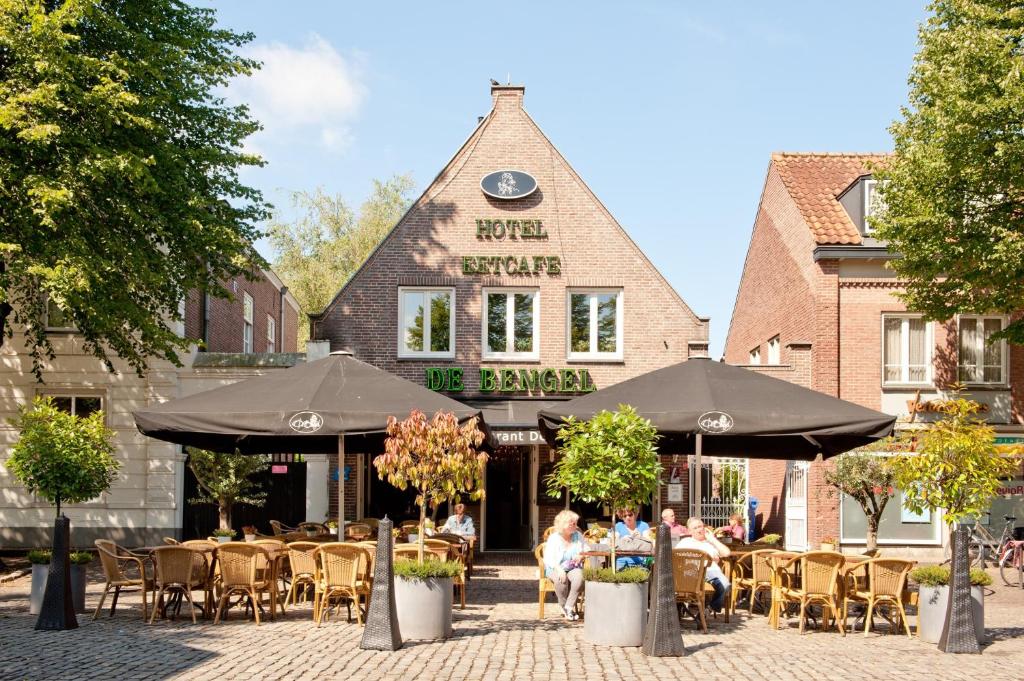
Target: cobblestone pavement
[(497, 637)]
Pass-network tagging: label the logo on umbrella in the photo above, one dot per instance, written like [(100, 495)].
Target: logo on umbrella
[(715, 422), (306, 422)]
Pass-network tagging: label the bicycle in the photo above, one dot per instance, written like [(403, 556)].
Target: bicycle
[(984, 548), (1011, 564)]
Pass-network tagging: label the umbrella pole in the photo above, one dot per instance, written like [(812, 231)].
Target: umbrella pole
[(341, 486), (698, 471)]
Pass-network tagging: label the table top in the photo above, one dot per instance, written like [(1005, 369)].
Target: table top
[(618, 554)]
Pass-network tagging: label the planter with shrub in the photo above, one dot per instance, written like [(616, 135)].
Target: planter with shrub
[(249, 532), (768, 540), (223, 535), (829, 544), (623, 592), (423, 598), (933, 600), (79, 564), (40, 560)]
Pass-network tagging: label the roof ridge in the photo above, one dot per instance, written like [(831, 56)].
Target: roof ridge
[(827, 154)]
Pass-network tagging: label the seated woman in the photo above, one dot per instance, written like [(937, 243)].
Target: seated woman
[(562, 562), (629, 525), (734, 529)]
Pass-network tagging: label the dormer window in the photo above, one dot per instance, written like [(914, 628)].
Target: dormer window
[(874, 204)]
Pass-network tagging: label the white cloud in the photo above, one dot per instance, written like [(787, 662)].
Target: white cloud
[(310, 91)]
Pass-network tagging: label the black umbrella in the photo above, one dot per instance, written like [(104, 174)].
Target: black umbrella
[(721, 410), (311, 408)]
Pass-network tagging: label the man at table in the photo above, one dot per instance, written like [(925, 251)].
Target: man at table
[(702, 540), (460, 523), (626, 527), (668, 517)]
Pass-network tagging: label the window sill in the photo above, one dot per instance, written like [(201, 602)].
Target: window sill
[(896, 387), (425, 358), (986, 387), (511, 359), (595, 360)]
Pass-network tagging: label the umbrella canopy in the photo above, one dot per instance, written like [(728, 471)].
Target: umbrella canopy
[(734, 411), (300, 410)]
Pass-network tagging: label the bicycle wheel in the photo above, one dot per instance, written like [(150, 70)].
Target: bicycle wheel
[(1011, 573)]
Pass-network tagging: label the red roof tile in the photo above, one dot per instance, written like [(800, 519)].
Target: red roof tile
[(815, 180)]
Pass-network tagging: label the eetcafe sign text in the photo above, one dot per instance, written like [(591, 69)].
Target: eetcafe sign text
[(548, 381)]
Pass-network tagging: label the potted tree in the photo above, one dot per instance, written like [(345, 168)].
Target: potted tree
[(62, 458), (933, 600), (437, 458), (955, 466), (225, 480), (869, 480), (611, 459)]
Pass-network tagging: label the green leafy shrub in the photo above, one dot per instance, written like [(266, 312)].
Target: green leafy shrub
[(39, 556), (938, 575), (222, 532), (768, 539), (81, 557), (411, 569), (225, 479), (629, 575)]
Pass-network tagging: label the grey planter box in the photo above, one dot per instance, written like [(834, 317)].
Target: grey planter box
[(616, 614), (424, 608), (41, 574), (931, 608)]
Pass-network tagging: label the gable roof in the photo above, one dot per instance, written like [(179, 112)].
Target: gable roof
[(815, 181)]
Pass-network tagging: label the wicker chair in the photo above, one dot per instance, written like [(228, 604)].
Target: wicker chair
[(307, 527), (179, 570), (281, 550), (412, 552), (171, 541), (342, 576), (547, 533), (211, 568), (818, 583), (302, 559), (280, 528), (116, 562), (752, 572), (887, 581), (688, 569), (244, 570), (357, 531), (544, 585), (371, 551)]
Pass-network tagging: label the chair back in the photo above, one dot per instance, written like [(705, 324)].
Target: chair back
[(538, 553), (820, 572), (760, 567), (442, 548), (688, 568), (239, 563), (412, 552), (372, 522), (887, 577), (341, 564), (178, 566), (302, 558), (357, 531), (280, 528), (109, 552), (547, 533), (171, 541), (307, 527)]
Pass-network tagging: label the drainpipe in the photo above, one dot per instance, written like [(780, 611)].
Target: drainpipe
[(280, 323)]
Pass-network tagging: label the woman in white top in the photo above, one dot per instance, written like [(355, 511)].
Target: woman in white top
[(562, 562)]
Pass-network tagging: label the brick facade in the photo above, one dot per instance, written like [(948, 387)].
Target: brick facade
[(225, 315)]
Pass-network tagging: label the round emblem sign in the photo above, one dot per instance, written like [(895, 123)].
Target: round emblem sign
[(715, 422), (306, 422), (508, 184)]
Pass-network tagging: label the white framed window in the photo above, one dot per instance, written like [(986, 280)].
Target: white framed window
[(76, 404), (426, 322), (57, 319), (271, 334), (906, 350), (247, 316), (874, 204), (594, 324), (980, 360), (774, 350), (755, 356), (510, 324)]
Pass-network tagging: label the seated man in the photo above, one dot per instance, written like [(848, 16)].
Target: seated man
[(626, 527), (668, 517), (702, 540), (460, 523)]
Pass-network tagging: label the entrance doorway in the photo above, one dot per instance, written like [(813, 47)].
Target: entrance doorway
[(796, 506), (508, 500)]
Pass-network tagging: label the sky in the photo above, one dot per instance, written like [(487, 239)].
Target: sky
[(669, 111)]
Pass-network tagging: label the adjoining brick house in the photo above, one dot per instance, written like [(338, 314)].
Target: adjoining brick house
[(816, 305), (507, 304), (148, 500)]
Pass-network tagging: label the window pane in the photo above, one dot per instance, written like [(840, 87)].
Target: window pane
[(523, 322), (606, 318), (413, 320), (918, 350), (63, 403), (497, 304), (247, 307), (87, 405), (579, 323), (968, 350), (55, 317), (440, 320), (993, 370), (892, 328)]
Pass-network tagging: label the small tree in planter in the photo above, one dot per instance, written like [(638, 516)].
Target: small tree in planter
[(955, 467), (438, 459), (869, 480), (64, 459), (225, 480), (612, 459)]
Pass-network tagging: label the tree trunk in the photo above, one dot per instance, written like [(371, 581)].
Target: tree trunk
[(423, 526), (614, 533), (224, 513), (872, 537)]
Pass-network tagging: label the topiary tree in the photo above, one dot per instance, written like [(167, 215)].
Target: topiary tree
[(611, 458), (61, 457), (225, 480), (869, 480), (437, 458), (956, 467)]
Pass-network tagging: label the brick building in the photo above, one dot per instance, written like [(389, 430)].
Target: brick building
[(816, 305), (507, 285)]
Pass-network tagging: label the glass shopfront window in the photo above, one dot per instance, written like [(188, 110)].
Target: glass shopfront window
[(899, 525)]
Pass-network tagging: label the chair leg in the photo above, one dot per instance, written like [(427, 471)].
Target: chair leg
[(255, 604), (113, 603), (156, 608), (903, 617), (803, 615), (99, 607), (841, 623), (220, 605), (867, 616), (540, 607)]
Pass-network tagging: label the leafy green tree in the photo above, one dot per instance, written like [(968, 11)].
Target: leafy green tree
[(119, 162), (225, 479), (869, 480), (956, 467), (612, 458), (61, 457), (318, 251), (953, 192), (436, 457)]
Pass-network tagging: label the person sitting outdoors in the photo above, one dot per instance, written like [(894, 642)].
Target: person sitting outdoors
[(460, 523), (668, 517), (626, 527), (702, 540), (563, 564), (734, 529)]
